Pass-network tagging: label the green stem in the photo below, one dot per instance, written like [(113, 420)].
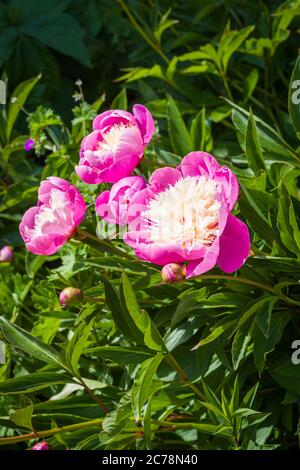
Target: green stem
[(50, 432), (226, 86), (104, 244), (140, 30), (249, 282), (94, 396), (177, 367)]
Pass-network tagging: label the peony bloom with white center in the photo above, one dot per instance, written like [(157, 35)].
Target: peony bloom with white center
[(49, 225), (116, 145), (183, 216)]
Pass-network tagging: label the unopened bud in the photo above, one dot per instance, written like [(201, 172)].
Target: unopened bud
[(6, 254), (70, 295), (173, 272), (41, 446)]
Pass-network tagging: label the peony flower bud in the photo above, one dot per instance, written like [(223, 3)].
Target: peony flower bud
[(70, 295), (6, 254), (173, 272), (41, 446)]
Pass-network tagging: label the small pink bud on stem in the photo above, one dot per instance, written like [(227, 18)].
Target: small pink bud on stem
[(6, 254), (41, 446), (173, 272), (69, 296)]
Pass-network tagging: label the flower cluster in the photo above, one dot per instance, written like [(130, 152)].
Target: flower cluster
[(181, 219)]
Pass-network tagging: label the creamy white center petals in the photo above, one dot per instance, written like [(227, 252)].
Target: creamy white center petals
[(57, 214), (186, 213), (45, 216), (112, 137)]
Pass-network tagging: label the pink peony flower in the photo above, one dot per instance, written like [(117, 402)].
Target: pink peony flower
[(49, 225), (112, 205), (183, 216), (116, 145), (6, 254)]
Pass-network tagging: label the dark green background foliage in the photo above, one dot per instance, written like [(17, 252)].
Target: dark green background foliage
[(203, 364)]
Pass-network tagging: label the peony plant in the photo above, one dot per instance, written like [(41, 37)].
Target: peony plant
[(183, 215)]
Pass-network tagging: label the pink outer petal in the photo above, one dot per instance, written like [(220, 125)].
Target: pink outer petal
[(229, 183), (28, 220), (113, 173), (137, 205), (200, 266), (79, 207), (68, 192), (162, 178), (198, 163), (91, 142), (234, 245), (202, 163), (46, 245), (130, 183), (112, 117), (153, 252), (119, 169), (157, 253), (47, 185), (130, 144), (144, 121), (39, 245), (88, 175), (107, 211)]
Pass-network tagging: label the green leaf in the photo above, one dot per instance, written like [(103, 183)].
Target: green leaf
[(235, 396), (120, 101), (179, 134), (287, 223), (263, 345), (32, 382), (182, 333), (250, 83), (187, 304), (269, 139), (60, 32), (286, 373), (217, 331), (21, 92), (142, 385), (253, 149), (255, 305), (79, 342), (239, 346), (201, 132), (164, 23), (122, 355), (139, 317), (230, 42), (22, 417), (22, 339), (248, 203), (122, 321)]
